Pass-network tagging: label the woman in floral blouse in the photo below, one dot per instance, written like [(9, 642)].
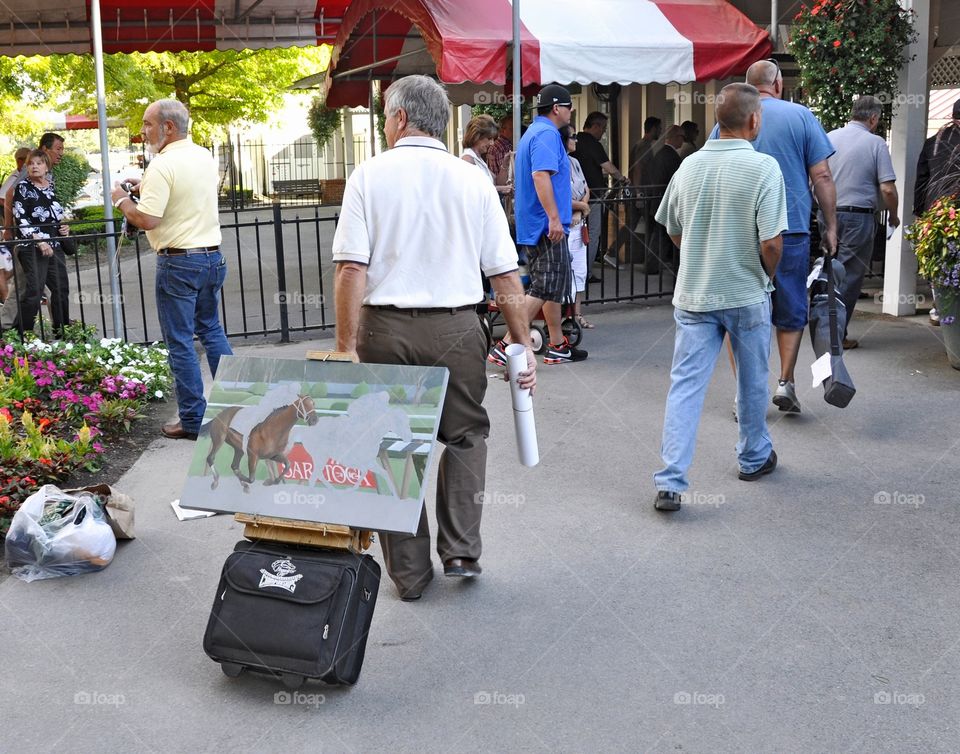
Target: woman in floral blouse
[(37, 215)]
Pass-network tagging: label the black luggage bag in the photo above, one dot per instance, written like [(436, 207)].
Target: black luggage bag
[(828, 320), (293, 611)]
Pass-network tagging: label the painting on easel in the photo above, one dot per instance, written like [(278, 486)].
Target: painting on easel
[(328, 441)]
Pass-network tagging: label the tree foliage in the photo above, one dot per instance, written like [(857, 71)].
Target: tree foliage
[(69, 176), (219, 87)]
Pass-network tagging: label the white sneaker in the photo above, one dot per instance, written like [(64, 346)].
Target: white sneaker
[(611, 260), (785, 398)]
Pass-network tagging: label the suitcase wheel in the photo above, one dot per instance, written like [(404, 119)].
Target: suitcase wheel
[(292, 681), (231, 669)]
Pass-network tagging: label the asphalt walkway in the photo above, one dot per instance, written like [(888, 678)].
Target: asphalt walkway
[(815, 610)]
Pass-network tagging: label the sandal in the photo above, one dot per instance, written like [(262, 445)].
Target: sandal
[(584, 323)]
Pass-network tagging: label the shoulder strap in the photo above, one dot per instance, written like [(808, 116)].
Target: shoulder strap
[(832, 306)]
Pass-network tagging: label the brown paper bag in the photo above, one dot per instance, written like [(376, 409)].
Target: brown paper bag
[(119, 508)]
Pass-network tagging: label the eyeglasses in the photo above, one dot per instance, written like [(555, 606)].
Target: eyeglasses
[(777, 64)]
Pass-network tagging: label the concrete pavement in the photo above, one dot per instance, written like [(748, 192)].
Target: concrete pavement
[(815, 610)]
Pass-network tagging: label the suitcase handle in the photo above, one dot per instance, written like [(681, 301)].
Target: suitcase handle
[(835, 347)]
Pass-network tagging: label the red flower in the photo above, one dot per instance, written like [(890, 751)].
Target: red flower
[(836, 43)]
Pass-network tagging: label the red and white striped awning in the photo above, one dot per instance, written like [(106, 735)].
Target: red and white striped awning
[(29, 27), (564, 41)]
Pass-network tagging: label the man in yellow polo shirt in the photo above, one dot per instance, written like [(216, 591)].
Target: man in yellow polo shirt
[(178, 211)]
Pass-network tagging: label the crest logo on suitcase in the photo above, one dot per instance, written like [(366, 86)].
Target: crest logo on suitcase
[(282, 578)]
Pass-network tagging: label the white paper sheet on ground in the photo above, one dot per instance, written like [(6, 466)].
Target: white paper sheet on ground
[(523, 422), (821, 368), (185, 515)]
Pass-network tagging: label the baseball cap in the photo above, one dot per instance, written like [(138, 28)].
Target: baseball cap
[(956, 110), (553, 94)]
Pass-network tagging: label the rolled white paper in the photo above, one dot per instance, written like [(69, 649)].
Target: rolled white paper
[(523, 422), (516, 363)]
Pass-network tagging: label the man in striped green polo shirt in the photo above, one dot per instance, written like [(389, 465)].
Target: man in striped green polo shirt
[(725, 208)]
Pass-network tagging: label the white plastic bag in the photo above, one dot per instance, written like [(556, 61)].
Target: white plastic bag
[(78, 540)]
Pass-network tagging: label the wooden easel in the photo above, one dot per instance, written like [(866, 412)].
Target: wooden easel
[(293, 531)]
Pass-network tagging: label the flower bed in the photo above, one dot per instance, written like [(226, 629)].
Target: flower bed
[(60, 400)]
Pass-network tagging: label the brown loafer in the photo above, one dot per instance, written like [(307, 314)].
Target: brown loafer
[(461, 567), (175, 431), (849, 344)]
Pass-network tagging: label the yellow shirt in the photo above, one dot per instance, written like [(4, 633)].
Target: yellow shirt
[(180, 187)]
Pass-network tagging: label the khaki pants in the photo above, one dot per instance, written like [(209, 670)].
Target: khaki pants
[(455, 341)]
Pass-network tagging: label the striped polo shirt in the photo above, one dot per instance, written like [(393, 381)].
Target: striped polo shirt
[(723, 201)]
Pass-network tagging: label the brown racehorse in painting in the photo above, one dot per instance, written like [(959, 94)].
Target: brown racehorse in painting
[(267, 441)]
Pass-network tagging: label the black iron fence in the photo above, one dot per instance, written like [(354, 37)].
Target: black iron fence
[(280, 273)]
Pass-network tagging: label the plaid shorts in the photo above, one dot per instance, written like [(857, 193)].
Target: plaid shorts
[(550, 272)]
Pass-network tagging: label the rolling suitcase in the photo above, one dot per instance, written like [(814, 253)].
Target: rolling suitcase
[(293, 611)]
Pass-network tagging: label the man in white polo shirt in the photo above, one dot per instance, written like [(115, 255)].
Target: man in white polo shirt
[(416, 229), (178, 210), (726, 209)]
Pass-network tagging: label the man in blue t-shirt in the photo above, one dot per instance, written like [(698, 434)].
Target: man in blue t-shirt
[(793, 136), (543, 207)]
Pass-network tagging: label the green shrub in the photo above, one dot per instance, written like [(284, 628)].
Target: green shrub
[(398, 394), (339, 406), (91, 220), (362, 389), (319, 390), (70, 175), (258, 388)]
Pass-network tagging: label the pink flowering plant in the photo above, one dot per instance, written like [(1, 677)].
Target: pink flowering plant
[(60, 401), (848, 48), (936, 242)]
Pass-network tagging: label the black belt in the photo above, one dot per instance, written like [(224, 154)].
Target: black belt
[(419, 311), (195, 250), (858, 210)]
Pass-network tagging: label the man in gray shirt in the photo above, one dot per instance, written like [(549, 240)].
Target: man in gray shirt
[(860, 165)]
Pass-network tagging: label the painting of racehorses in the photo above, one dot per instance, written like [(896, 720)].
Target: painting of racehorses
[(327, 441)]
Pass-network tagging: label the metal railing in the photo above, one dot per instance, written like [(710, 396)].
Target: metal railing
[(280, 272)]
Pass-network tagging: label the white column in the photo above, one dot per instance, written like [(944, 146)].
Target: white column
[(907, 136), (347, 131)]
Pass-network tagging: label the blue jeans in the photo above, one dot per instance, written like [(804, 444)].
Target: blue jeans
[(188, 294), (698, 341)]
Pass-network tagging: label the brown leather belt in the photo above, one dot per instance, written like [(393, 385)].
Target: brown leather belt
[(196, 250), (420, 311)]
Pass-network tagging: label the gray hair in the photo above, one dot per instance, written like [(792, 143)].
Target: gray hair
[(865, 108), (423, 100), (763, 73), (735, 104), (174, 111)]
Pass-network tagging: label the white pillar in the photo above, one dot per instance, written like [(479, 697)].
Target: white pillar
[(908, 132), (346, 119)]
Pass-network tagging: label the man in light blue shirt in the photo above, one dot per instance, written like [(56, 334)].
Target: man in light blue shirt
[(726, 209), (793, 136)]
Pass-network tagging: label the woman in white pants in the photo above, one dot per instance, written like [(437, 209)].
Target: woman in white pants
[(578, 238)]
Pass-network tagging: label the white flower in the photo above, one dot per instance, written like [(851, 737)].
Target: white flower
[(158, 394)]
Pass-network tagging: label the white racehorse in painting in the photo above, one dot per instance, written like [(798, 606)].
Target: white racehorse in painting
[(353, 439)]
